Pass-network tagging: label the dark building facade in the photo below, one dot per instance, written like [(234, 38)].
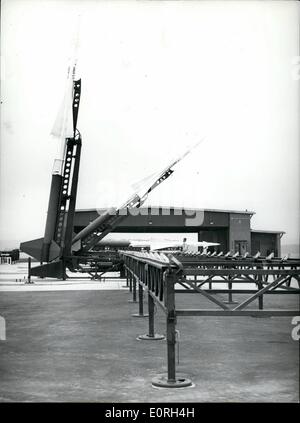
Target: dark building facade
[(266, 242), (232, 229)]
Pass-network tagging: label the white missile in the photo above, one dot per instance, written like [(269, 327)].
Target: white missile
[(147, 184), (104, 224)]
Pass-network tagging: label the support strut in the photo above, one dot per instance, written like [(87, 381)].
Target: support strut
[(170, 381), (151, 335)]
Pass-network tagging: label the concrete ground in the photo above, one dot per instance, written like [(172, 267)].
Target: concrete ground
[(80, 345)]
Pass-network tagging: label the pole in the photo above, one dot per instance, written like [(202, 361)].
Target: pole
[(29, 270), (134, 290), (151, 315), (171, 326), (141, 303), (169, 295), (260, 298)]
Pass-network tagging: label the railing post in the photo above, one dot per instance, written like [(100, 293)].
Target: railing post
[(259, 287), (230, 293), (133, 288), (230, 297), (29, 270), (169, 298), (171, 326), (141, 303), (141, 300), (151, 336), (260, 298), (125, 274), (151, 315), (122, 272)]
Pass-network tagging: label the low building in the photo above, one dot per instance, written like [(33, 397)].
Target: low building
[(230, 228)]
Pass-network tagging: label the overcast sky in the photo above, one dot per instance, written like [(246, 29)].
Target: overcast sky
[(156, 77)]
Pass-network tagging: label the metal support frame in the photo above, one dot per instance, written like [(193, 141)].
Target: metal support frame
[(158, 275)]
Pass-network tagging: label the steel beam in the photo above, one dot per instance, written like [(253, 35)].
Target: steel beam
[(232, 313)]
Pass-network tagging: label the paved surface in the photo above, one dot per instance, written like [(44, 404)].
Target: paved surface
[(80, 345), (14, 278)]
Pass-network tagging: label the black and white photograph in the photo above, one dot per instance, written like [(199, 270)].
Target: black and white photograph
[(149, 204)]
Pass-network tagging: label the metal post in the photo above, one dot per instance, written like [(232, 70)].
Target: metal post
[(170, 381), (124, 274), (151, 315), (230, 298), (260, 298), (171, 326), (64, 275), (141, 300), (133, 288), (141, 303), (151, 336), (230, 293), (259, 287), (29, 270)]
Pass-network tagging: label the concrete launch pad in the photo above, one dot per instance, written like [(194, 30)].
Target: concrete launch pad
[(80, 345)]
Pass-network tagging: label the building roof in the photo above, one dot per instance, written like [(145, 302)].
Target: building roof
[(178, 208), (259, 231)]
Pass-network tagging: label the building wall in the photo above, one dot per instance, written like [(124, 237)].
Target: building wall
[(265, 243), (231, 230), (215, 219), (239, 232), (160, 220)]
